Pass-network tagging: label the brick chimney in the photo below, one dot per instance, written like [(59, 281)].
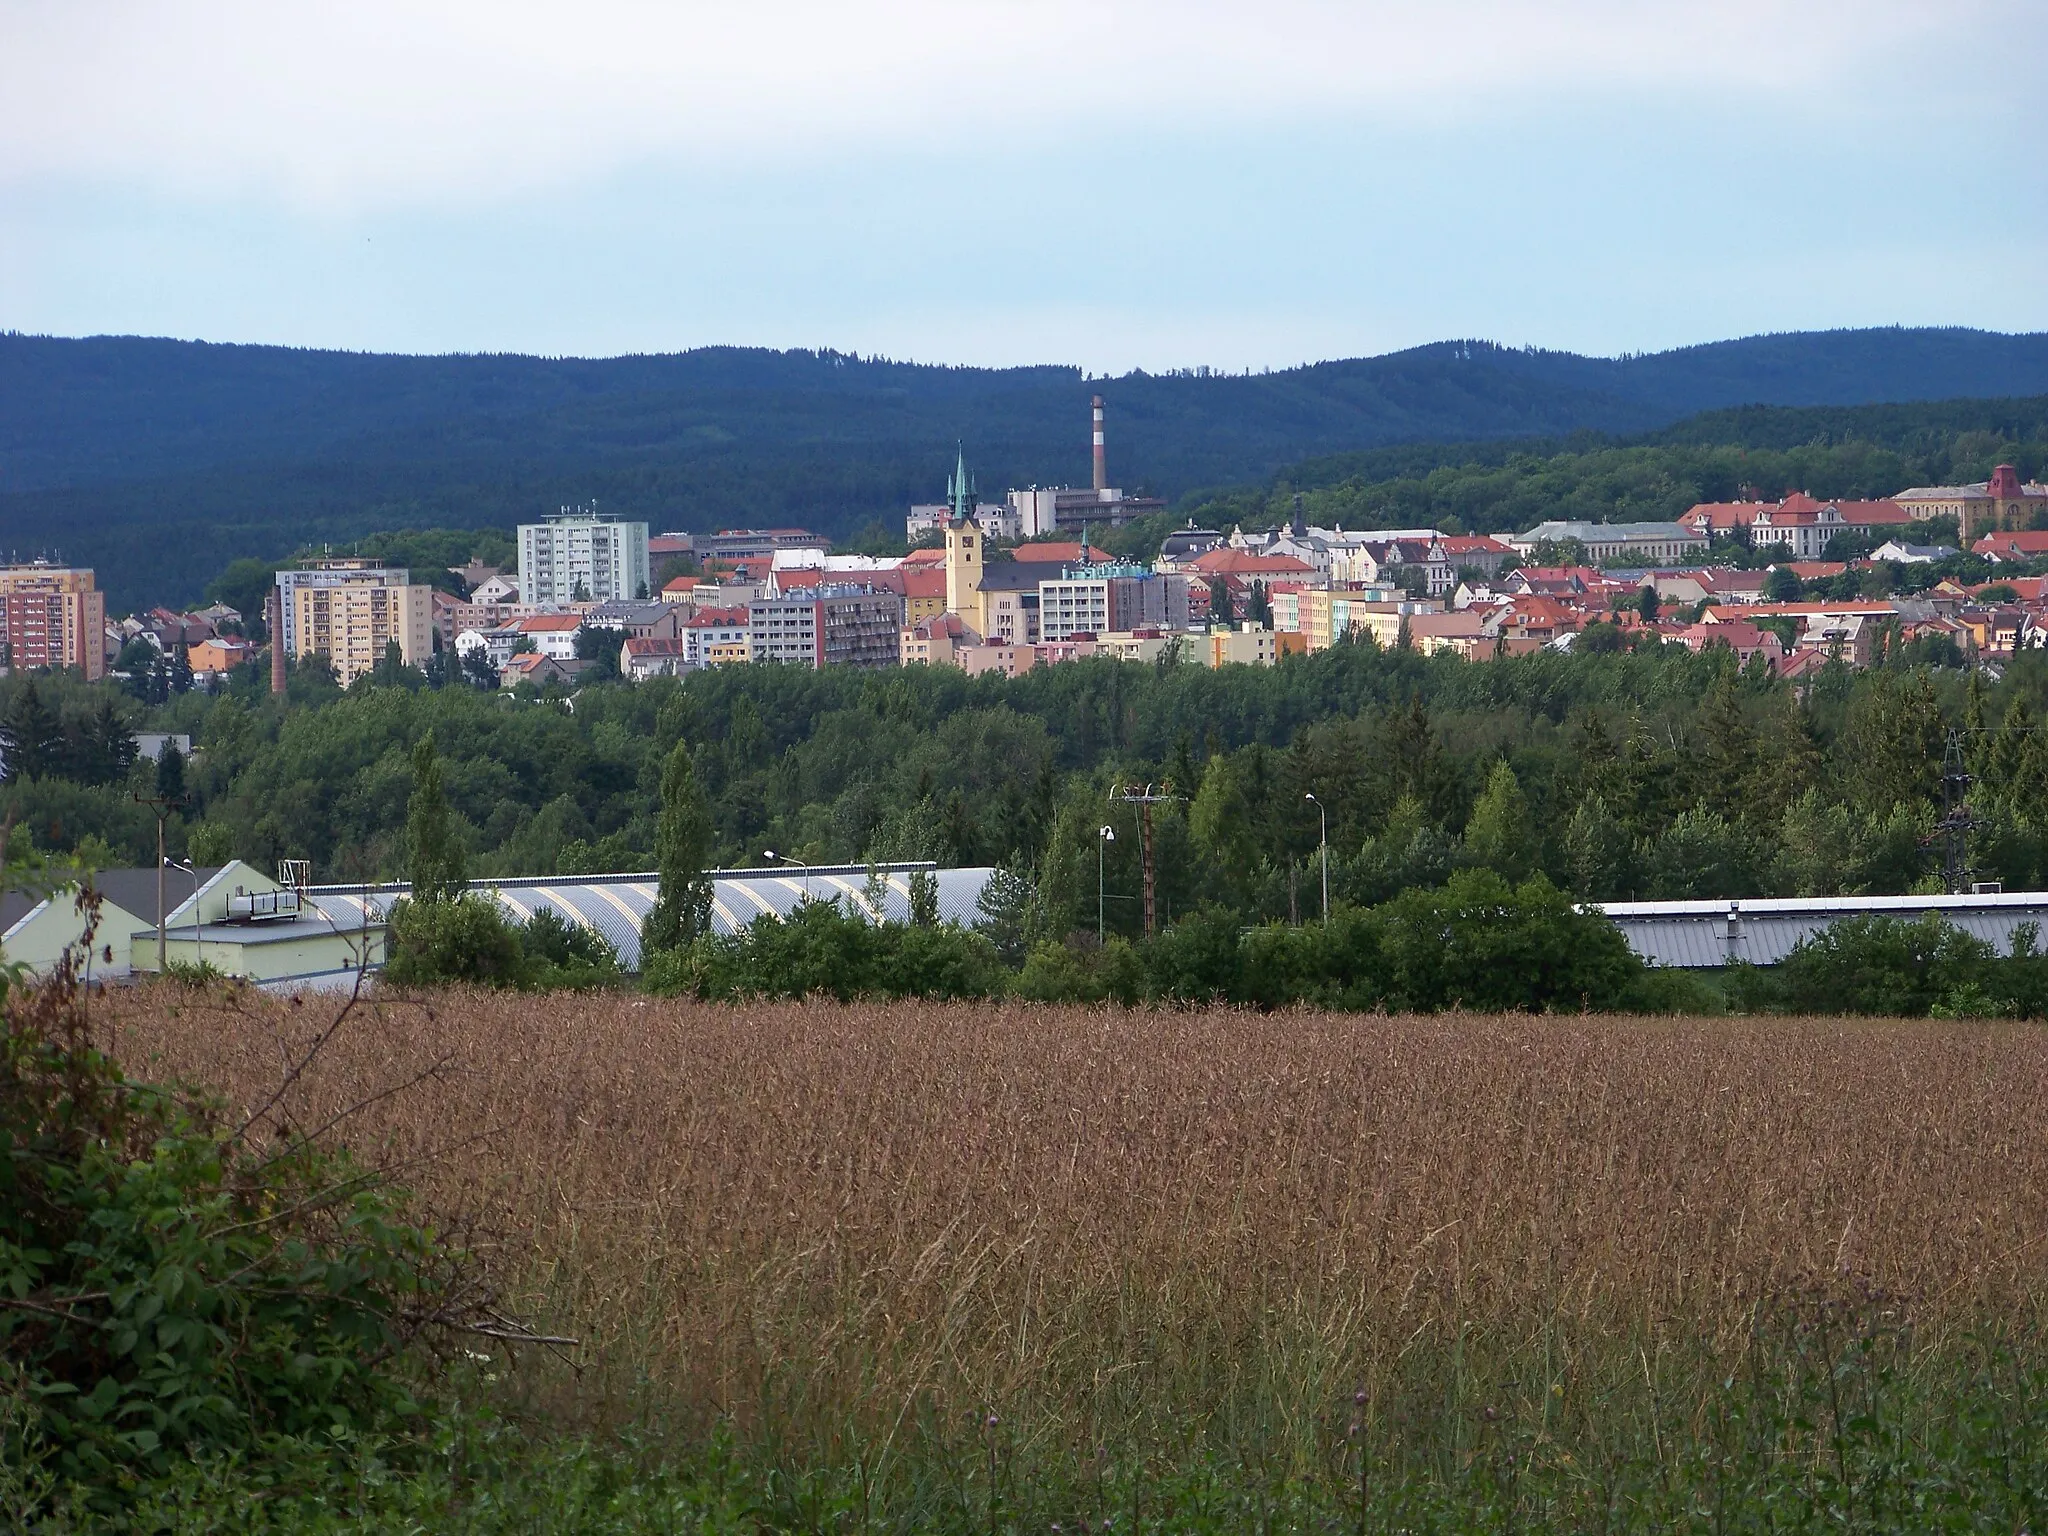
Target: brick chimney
[(273, 620)]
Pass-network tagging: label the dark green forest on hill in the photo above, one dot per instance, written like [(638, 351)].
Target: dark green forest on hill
[(1857, 453), (158, 461), (1864, 452)]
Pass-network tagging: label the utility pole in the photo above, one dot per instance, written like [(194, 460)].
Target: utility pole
[(1956, 822), (1103, 837), (1325, 845), (163, 805), (1144, 799)]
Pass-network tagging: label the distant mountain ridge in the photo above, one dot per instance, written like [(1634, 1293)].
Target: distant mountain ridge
[(158, 459)]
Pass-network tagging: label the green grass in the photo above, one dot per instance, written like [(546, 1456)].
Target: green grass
[(1831, 1418)]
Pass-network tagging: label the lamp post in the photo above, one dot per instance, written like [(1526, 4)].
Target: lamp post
[(198, 944), (1325, 815), (1104, 836), (773, 857)]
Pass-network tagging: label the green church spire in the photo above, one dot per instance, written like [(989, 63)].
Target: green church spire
[(960, 490)]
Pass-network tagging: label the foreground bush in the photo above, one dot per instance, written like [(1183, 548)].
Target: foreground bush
[(463, 939), (168, 1286)]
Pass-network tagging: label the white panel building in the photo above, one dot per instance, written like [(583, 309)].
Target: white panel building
[(581, 556)]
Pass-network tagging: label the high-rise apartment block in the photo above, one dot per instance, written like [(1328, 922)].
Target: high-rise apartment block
[(832, 625), (1105, 599), (350, 610), (581, 557), (349, 571), (52, 616)]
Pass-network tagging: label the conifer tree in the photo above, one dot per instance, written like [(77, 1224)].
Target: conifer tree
[(1598, 848), (170, 773), (434, 858), (682, 849), (1728, 759), (1499, 834), (924, 898), (31, 737)]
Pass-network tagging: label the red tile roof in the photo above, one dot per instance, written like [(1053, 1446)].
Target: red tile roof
[(1236, 562), (655, 645), (1865, 513), (717, 618), (2024, 545), (1723, 516)]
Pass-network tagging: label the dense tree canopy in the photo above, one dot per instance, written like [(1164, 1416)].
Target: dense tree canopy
[(1648, 771)]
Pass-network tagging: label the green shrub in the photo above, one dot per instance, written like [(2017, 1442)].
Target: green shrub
[(1082, 971), (171, 1287), (1197, 960), (1481, 943), (467, 939), (1339, 964), (565, 955), (1881, 965), (819, 949), (939, 961), (1665, 989)]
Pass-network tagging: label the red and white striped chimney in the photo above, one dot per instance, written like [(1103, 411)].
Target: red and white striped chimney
[(1101, 458)]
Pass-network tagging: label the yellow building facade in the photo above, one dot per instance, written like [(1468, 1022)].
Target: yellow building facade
[(350, 625)]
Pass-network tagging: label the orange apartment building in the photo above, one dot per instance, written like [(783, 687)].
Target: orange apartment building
[(351, 625), (52, 616)]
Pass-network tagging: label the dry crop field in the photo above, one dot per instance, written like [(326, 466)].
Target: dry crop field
[(851, 1226)]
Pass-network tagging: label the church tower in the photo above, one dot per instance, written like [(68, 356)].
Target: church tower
[(963, 550)]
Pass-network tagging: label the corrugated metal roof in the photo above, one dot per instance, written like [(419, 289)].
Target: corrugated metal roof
[(616, 905), (1705, 934)]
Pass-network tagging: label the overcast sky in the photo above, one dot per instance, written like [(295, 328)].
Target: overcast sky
[(1122, 183)]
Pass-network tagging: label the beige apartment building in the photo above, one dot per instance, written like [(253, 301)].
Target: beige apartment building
[(351, 624), (52, 616)]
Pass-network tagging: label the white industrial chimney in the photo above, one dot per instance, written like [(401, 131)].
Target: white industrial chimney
[(1101, 458)]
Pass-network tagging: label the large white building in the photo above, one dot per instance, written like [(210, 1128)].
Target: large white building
[(829, 625), (1100, 599), (1648, 543), (580, 556)]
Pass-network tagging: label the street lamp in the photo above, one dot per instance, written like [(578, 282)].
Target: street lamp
[(1325, 815), (772, 857), (1103, 837), (198, 944)]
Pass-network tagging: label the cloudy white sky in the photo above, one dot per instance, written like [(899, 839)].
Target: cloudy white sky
[(1116, 184)]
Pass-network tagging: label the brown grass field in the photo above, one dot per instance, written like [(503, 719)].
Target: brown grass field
[(846, 1221)]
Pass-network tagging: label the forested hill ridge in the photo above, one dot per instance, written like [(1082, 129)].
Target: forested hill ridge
[(158, 460), (1853, 452)]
